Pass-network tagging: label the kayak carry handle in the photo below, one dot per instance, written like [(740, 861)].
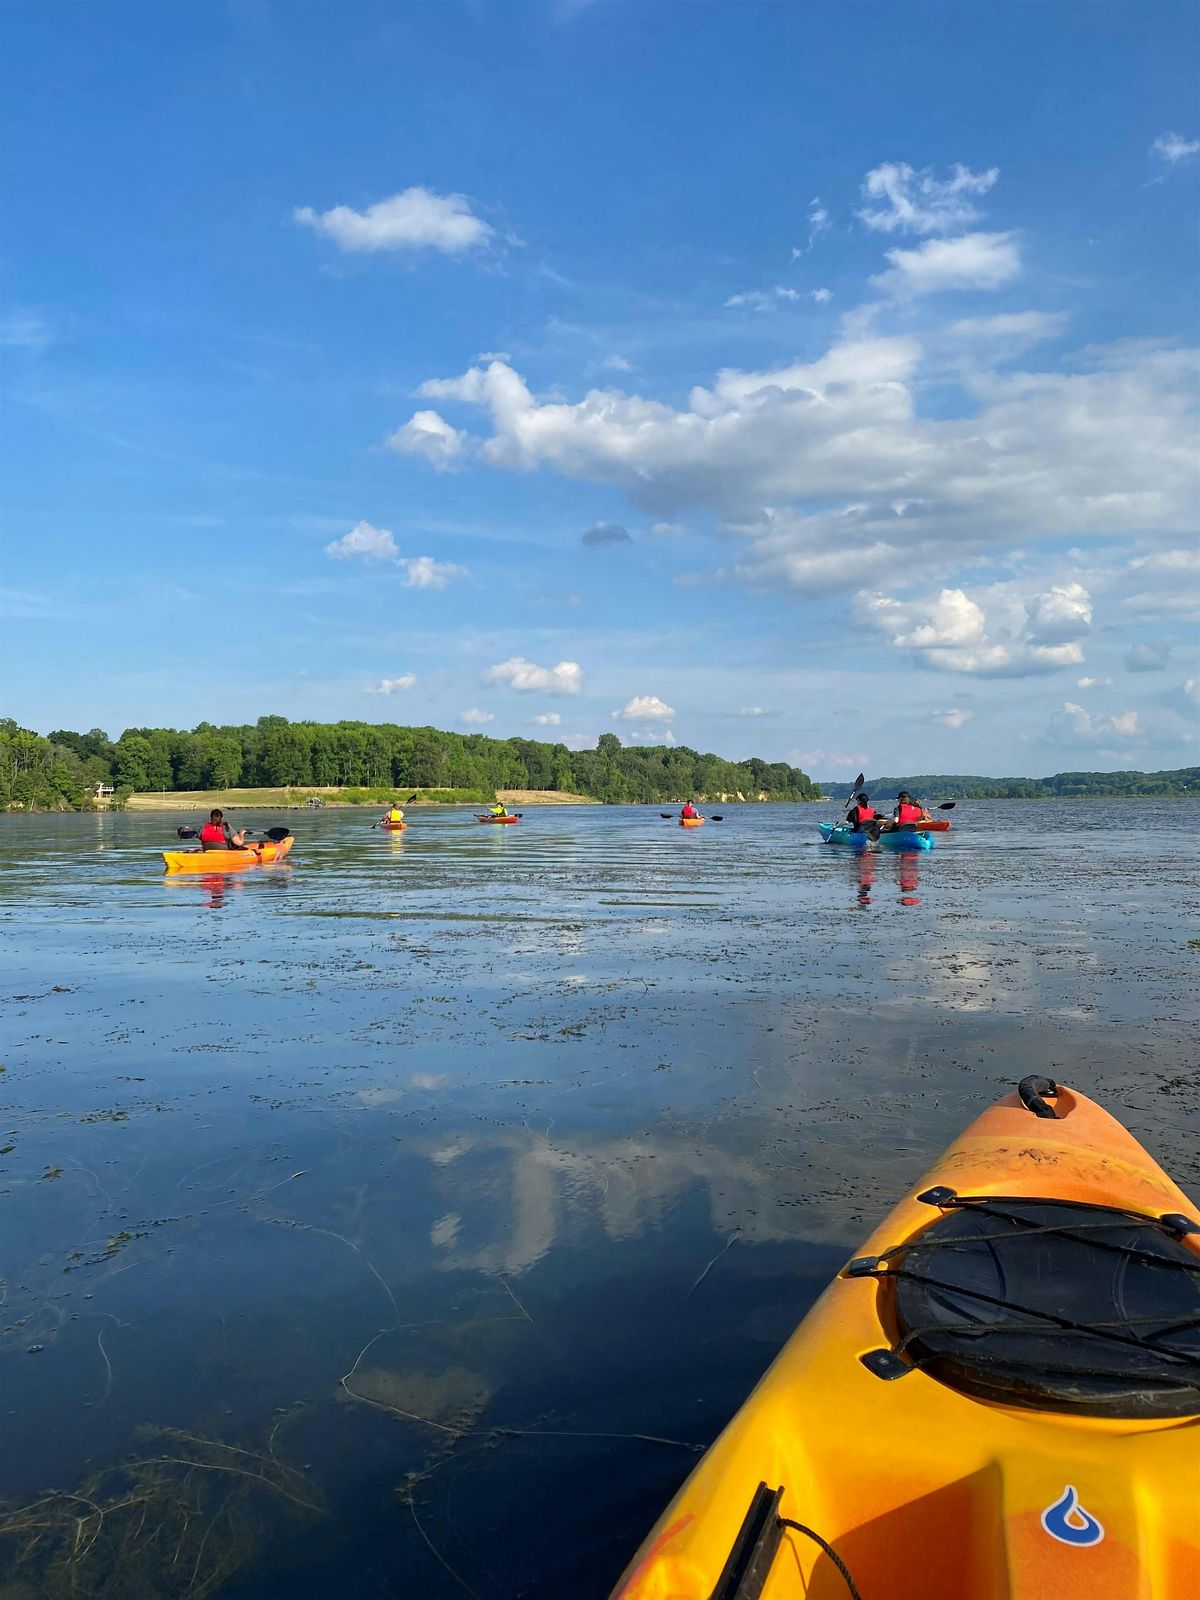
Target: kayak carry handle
[(1032, 1089)]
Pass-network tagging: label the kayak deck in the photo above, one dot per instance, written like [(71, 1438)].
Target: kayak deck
[(923, 1489), (226, 860)]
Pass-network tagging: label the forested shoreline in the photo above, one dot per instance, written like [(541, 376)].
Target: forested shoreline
[(1170, 784), (60, 771)]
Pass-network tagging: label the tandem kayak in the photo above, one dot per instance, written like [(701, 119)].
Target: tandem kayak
[(691, 822), (227, 860), (998, 1399), (478, 818), (854, 839)]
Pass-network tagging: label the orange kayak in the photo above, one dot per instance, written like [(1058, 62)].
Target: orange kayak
[(478, 818), (998, 1399), (690, 822), (226, 860), (393, 827)]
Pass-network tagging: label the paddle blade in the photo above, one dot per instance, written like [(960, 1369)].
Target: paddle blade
[(859, 781), (715, 818), (278, 835), (947, 805), (667, 816)]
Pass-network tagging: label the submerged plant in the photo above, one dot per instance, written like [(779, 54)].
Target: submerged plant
[(176, 1521)]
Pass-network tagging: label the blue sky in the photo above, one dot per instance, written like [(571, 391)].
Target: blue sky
[(804, 380)]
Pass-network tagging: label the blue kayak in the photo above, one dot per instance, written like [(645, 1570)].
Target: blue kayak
[(902, 839)]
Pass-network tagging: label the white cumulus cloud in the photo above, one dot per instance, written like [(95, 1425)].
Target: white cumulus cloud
[(371, 544), (393, 685), (565, 677), (431, 436), (476, 717), (822, 467), (1074, 725), (423, 572), (972, 261), (954, 718), (909, 201), (1001, 633), (549, 719), (645, 708), (414, 219)]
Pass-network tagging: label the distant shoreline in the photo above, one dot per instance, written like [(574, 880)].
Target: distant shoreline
[(296, 799)]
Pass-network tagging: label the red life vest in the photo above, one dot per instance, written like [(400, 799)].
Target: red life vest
[(907, 812), (212, 833), (861, 814), (688, 811)]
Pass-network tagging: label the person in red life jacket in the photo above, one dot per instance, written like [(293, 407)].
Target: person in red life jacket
[(909, 810), (216, 834), (861, 812), (689, 810)]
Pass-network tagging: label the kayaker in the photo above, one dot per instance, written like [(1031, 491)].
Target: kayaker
[(688, 811), (216, 834), (394, 813), (498, 810), (861, 812), (909, 810)]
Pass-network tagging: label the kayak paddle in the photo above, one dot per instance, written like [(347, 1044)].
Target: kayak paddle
[(276, 835), (854, 788)]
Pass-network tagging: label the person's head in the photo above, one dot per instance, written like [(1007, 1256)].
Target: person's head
[(216, 816), (863, 797), (904, 795)]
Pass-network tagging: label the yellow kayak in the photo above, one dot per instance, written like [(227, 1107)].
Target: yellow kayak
[(690, 822), (999, 1399), (226, 860)]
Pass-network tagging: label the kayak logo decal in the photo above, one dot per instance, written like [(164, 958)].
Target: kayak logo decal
[(1069, 1523)]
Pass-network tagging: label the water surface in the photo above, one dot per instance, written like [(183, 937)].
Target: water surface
[(398, 1220)]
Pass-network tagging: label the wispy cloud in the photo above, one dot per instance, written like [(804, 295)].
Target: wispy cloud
[(972, 261), (393, 685), (475, 717), (1173, 148), (415, 219), (22, 329), (910, 201)]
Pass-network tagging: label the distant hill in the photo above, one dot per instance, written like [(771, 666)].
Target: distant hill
[(1063, 785)]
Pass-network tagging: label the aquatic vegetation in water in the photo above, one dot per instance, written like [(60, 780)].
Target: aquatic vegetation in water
[(453, 1399), (177, 1521)]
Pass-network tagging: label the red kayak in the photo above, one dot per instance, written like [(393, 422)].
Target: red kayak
[(478, 818)]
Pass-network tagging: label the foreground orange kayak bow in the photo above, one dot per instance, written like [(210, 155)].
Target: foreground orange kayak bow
[(998, 1399)]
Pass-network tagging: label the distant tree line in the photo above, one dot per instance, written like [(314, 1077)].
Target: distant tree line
[(61, 771), (1063, 785)]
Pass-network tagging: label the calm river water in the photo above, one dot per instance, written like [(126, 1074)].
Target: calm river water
[(397, 1221)]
